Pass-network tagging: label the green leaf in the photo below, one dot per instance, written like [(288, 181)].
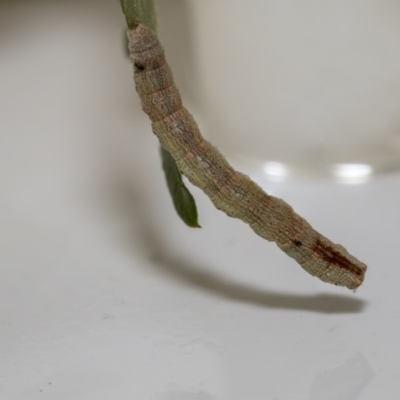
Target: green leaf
[(183, 200), (142, 11)]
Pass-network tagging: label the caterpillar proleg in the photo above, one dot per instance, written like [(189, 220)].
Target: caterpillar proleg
[(230, 191)]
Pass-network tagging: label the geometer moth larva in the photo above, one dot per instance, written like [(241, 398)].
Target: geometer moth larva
[(232, 192)]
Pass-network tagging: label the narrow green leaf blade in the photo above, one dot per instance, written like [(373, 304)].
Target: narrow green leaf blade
[(142, 11), (183, 200)]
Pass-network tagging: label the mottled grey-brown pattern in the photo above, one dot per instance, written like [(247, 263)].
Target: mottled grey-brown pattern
[(232, 192)]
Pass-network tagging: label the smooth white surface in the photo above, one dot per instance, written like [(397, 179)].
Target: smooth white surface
[(105, 294)]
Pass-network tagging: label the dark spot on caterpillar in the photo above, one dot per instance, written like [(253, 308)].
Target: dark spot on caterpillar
[(297, 243), (139, 67)]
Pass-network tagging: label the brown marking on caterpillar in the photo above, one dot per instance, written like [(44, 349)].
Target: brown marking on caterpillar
[(330, 255), (230, 191)]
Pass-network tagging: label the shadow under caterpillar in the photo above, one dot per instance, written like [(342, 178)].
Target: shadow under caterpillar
[(230, 191)]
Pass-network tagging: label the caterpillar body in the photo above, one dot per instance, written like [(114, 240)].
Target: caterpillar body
[(230, 191)]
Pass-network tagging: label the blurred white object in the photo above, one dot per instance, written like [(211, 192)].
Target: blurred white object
[(307, 84)]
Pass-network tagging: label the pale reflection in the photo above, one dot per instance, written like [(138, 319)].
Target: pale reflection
[(352, 173), (345, 382), (275, 170)]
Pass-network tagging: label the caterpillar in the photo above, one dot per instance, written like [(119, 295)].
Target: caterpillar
[(230, 191)]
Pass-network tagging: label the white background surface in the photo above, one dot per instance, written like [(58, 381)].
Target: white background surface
[(105, 294)]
